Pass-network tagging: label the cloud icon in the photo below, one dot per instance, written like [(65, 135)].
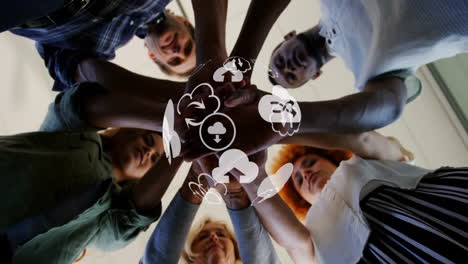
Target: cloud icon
[(217, 129), (212, 196), (280, 107), (187, 100), (235, 159), (237, 64)]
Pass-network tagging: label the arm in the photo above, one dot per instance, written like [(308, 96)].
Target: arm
[(254, 242), (379, 104), (282, 224), (274, 214), (369, 145), (167, 241), (128, 99), (261, 16), (62, 64), (210, 29), (120, 80), (146, 194)]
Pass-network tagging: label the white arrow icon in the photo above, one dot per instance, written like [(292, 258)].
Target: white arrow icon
[(198, 105), (217, 139), (190, 122)]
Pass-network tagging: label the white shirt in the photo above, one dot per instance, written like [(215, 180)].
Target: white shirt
[(379, 36), (337, 225)]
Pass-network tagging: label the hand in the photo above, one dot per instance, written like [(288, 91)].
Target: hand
[(236, 198), (193, 176), (253, 133), (237, 94), (258, 158), (204, 73)]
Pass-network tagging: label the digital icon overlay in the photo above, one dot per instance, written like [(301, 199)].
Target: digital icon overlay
[(274, 183), (235, 159), (217, 132), (211, 196), (281, 108), (171, 140)]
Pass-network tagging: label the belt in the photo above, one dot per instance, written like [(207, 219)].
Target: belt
[(65, 13)]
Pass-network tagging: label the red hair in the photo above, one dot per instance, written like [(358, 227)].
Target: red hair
[(291, 153)]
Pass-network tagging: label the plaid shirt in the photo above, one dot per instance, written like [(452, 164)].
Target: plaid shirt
[(64, 46)]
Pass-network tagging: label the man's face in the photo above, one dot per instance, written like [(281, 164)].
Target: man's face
[(135, 151), (292, 63), (172, 45)]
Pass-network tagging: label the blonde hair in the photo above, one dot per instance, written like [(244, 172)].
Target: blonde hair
[(188, 255), (291, 153)]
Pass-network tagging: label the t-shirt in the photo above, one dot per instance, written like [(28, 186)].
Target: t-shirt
[(375, 37)]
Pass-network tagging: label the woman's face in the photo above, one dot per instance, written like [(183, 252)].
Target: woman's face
[(311, 173), (135, 151), (213, 245)]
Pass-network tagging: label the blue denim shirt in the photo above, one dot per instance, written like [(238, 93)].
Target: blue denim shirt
[(167, 241)]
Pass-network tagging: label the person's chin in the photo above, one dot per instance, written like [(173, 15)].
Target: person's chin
[(216, 257)]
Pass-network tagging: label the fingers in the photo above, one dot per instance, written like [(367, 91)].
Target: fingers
[(241, 97), (225, 90), (193, 150)]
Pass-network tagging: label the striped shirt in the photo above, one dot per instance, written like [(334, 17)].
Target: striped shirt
[(65, 45), (338, 227), (425, 225)]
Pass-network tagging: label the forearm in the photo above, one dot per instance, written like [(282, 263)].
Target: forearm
[(254, 242), (369, 145), (119, 80), (261, 17), (128, 99), (279, 220), (210, 29), (380, 104), (146, 194), (167, 241)]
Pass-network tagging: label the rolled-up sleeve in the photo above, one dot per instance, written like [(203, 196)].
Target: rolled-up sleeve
[(254, 242), (65, 113), (62, 64), (412, 83)]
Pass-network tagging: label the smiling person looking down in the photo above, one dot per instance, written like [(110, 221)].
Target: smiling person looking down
[(78, 44)]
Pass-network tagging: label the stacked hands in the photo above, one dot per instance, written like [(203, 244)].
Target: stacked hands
[(237, 100)]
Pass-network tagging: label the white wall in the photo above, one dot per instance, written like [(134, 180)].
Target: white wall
[(426, 127)]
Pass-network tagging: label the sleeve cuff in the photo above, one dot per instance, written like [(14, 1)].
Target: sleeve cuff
[(413, 84), (68, 105)]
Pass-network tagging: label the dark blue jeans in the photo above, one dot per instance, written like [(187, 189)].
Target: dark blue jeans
[(17, 12)]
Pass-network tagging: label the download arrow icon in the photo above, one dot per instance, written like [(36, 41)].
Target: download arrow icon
[(217, 139)]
